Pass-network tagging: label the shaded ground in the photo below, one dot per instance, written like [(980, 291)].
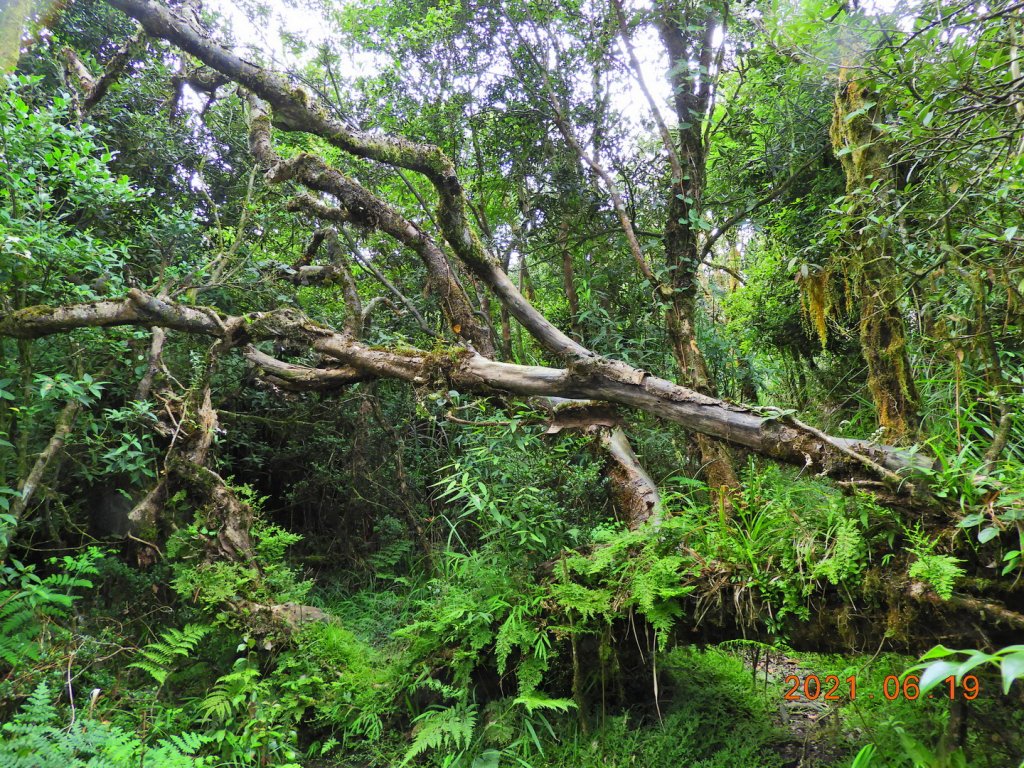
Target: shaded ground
[(816, 737)]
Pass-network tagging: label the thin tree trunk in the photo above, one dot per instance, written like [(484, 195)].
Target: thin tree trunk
[(153, 363), (29, 486), (569, 277), (682, 253), (13, 16)]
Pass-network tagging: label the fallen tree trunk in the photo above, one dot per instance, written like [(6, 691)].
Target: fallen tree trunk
[(633, 492), (632, 489), (458, 368)]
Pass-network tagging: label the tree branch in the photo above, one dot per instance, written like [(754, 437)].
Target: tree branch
[(612, 189), (328, 213), (739, 216), (296, 110), (466, 370), (95, 88), (359, 206)]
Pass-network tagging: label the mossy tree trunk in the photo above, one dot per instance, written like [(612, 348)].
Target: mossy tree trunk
[(862, 148), (687, 33)]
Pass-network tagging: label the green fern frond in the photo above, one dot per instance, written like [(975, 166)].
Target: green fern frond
[(159, 658), (231, 692), (451, 728), (534, 701), (940, 571), (185, 744)]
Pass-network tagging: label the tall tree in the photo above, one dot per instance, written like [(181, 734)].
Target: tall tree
[(687, 32)]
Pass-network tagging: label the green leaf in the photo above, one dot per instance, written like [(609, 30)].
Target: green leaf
[(939, 652), (987, 534), (936, 672), (1012, 669), (865, 757), (490, 758), (975, 658), (851, 116), (915, 750), (534, 701)]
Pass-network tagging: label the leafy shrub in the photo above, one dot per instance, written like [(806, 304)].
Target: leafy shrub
[(28, 601), (218, 584)]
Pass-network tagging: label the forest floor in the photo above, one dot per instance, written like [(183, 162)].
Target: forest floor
[(814, 727)]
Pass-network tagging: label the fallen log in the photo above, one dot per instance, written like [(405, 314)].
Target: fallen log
[(898, 470)]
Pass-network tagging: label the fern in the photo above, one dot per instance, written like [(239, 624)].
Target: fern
[(159, 658), (451, 728), (232, 692), (586, 602), (940, 571), (655, 590), (516, 631), (534, 701), (846, 557), (19, 629), (36, 738), (187, 743), (38, 708)]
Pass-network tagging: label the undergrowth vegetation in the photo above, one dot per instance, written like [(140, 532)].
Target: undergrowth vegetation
[(484, 659)]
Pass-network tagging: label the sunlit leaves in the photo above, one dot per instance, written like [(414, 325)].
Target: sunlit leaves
[(941, 663)]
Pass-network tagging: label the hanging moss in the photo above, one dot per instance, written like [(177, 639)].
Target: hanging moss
[(864, 153), (817, 303)]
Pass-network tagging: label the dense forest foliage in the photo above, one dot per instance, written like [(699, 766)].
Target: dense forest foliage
[(550, 383)]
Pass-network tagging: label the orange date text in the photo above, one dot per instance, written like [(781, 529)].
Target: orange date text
[(834, 688)]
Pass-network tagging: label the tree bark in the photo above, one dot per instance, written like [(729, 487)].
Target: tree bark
[(569, 276), (95, 88), (153, 363), (863, 151), (185, 469), (29, 486), (632, 489), (633, 492)]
